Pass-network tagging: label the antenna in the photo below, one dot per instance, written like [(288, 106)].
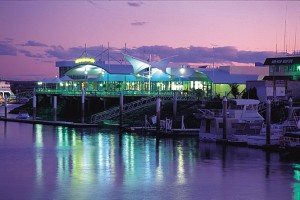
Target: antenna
[(295, 44), (284, 39), (85, 50), (276, 44)]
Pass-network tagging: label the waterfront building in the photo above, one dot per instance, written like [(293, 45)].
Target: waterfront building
[(138, 77), (282, 82), (224, 77)]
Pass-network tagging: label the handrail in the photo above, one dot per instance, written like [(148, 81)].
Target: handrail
[(135, 105)]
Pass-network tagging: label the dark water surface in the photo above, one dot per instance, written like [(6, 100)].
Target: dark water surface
[(46, 162)]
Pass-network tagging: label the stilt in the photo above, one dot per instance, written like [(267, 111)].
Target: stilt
[(82, 106), (5, 105), (290, 104), (54, 108), (174, 105), (224, 118), (268, 122), (157, 114), (121, 108), (34, 107), (182, 122)]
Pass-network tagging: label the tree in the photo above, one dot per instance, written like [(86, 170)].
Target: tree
[(199, 93), (234, 90)]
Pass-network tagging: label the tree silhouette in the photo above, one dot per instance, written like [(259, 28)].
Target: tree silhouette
[(234, 90)]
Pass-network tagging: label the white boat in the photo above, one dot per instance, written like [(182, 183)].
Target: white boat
[(291, 138), (244, 124), (276, 134), (5, 90), (23, 115)]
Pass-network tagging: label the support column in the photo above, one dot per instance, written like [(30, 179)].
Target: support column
[(268, 122), (34, 107), (54, 108), (82, 105), (121, 108), (5, 105), (290, 111), (175, 105), (157, 114), (224, 117)]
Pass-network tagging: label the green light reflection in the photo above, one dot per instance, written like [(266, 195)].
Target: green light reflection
[(180, 168), (39, 153)]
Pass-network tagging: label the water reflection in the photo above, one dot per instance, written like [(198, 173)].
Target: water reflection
[(87, 157), (68, 163)]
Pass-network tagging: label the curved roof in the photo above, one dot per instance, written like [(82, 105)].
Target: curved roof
[(89, 69), (140, 65)]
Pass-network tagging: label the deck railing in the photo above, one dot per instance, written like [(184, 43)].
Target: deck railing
[(135, 105), (96, 93)]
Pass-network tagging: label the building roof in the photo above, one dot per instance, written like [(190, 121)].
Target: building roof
[(221, 77)]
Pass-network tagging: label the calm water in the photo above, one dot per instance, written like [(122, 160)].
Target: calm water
[(46, 162)]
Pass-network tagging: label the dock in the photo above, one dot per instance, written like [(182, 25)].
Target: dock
[(169, 132), (53, 123)]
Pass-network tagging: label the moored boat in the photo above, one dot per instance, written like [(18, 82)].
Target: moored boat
[(244, 124), (5, 90)]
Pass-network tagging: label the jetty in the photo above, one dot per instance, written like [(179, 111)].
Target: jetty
[(53, 123)]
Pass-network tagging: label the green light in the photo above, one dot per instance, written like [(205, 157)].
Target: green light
[(297, 175)]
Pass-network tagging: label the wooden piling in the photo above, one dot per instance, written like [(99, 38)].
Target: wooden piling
[(268, 121), (157, 114), (54, 108), (82, 105), (121, 108), (5, 105), (34, 107), (290, 111), (224, 118), (174, 105)]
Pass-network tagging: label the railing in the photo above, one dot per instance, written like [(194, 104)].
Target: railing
[(97, 93), (135, 105)]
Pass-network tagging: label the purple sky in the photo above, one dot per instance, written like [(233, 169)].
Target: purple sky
[(35, 34)]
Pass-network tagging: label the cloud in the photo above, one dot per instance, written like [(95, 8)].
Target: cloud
[(59, 52), (31, 43), (31, 54), (134, 4), (192, 54), (138, 23), (7, 49)]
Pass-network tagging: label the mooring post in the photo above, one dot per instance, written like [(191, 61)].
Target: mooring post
[(182, 122), (166, 124), (157, 114), (145, 123), (34, 106), (121, 108), (54, 108), (290, 104), (5, 105), (224, 117), (268, 122), (174, 105)]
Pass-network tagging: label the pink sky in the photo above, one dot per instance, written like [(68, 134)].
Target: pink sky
[(30, 29)]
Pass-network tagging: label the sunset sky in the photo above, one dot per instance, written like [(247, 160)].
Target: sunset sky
[(36, 34)]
